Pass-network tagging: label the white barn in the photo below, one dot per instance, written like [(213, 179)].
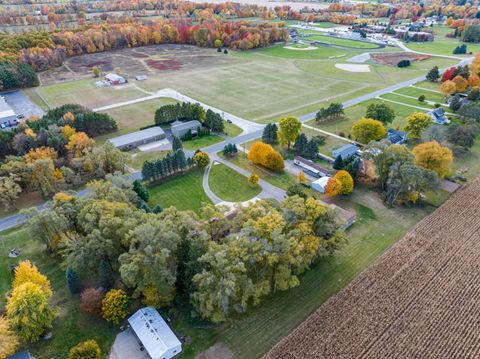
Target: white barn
[(159, 341), (320, 184)]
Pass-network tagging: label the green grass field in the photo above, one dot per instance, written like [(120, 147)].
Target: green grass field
[(184, 192), (343, 42), (416, 92), (321, 52), (201, 142), (231, 186)]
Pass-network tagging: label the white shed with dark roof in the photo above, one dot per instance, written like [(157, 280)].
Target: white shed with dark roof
[(159, 341)]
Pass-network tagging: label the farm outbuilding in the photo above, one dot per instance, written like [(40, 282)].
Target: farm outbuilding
[(345, 151), (115, 79), (6, 112), (320, 184), (159, 341), (135, 139), (179, 128), (310, 167)]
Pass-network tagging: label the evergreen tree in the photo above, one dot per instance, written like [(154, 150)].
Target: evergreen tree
[(181, 159), (105, 274), (301, 144), (311, 150), (270, 134), (148, 170), (433, 75), (338, 163), (176, 143), (141, 190), (73, 282)]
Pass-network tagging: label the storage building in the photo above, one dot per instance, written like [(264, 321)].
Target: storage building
[(179, 128), (345, 151), (320, 184), (6, 112), (311, 167), (115, 79), (135, 139)]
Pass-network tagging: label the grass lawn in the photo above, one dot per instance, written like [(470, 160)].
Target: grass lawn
[(139, 114), (408, 101), (201, 142), (416, 92), (71, 326), (138, 158), (343, 42), (321, 52), (183, 192), (232, 130), (231, 186)]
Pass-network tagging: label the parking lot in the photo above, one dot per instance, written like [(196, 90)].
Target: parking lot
[(21, 104)]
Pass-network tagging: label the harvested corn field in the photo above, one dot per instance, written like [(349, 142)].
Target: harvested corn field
[(421, 299)]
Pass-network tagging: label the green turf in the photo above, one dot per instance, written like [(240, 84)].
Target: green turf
[(71, 326), (424, 106), (139, 158), (201, 142), (231, 186), (184, 192), (321, 52), (416, 92), (232, 130), (343, 42)]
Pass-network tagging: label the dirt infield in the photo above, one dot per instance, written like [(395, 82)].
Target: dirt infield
[(395, 58), (419, 300), (131, 62)]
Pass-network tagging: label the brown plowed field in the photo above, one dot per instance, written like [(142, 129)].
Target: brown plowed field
[(421, 299)]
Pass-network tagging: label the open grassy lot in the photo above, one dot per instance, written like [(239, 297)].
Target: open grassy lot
[(184, 192), (139, 114), (422, 106), (201, 142), (416, 92), (232, 130), (229, 185), (343, 42), (71, 326), (442, 45), (138, 158), (274, 82)]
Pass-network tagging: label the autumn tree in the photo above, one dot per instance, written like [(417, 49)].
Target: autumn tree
[(79, 143), (461, 84), (29, 312), (115, 306), (43, 177), (448, 88), (289, 129), (41, 153), (8, 339), (433, 156), (95, 71), (301, 178), (202, 159), (380, 112), (265, 155), (340, 184), (333, 186), (9, 191), (367, 129), (91, 301), (253, 179), (88, 349), (416, 123)]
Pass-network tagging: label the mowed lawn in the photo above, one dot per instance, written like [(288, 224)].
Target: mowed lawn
[(201, 142), (71, 326), (231, 186), (320, 52), (184, 192), (343, 42)]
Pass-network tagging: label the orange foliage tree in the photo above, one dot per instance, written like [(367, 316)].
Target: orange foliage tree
[(265, 155)]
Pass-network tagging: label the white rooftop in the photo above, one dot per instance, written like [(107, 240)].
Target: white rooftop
[(154, 333), (130, 138)]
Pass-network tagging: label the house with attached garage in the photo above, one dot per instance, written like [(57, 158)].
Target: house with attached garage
[(396, 137), (438, 116), (345, 151)]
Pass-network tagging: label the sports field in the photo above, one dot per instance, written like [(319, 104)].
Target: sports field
[(260, 85)]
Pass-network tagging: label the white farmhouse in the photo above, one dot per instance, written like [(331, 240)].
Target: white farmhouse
[(159, 341)]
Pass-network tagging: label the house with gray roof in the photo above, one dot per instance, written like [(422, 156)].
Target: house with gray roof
[(438, 116), (156, 337), (135, 139), (179, 128), (345, 151), (396, 137)]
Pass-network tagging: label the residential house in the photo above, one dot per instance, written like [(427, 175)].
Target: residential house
[(438, 116), (396, 137), (345, 151)]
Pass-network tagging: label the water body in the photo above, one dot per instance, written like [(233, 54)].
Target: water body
[(272, 4)]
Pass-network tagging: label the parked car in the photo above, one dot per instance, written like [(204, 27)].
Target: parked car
[(3, 125), (229, 121), (20, 116), (15, 122)]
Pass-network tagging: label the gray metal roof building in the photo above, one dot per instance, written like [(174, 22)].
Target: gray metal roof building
[(345, 151), (135, 139), (6, 112), (157, 338), (179, 129)]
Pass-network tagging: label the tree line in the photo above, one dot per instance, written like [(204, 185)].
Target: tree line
[(187, 111)]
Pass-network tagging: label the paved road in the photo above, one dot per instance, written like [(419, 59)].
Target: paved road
[(12, 221)]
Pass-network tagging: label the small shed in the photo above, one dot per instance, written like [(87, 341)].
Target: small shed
[(396, 137), (438, 116), (115, 79), (141, 77), (320, 184), (345, 151), (179, 128), (157, 338), (135, 139)]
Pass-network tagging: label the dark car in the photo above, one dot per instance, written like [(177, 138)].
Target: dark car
[(20, 116)]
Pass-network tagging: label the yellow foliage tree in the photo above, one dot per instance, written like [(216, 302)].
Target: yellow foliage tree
[(41, 153), (265, 155), (68, 117), (253, 179), (301, 177), (115, 306), (448, 88), (333, 187), (433, 156), (8, 340), (416, 123), (461, 84), (29, 132), (79, 143), (68, 131), (368, 129), (25, 272), (346, 182)]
